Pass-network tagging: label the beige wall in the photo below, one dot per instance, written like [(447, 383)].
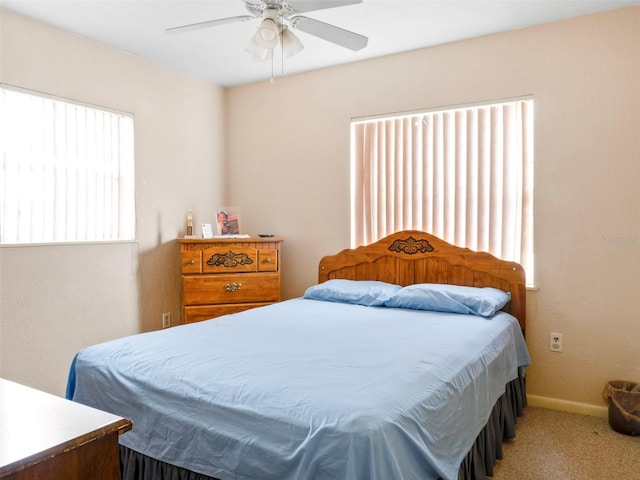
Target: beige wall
[(55, 300), (288, 146)]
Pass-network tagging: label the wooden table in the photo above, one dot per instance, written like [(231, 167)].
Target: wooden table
[(47, 437)]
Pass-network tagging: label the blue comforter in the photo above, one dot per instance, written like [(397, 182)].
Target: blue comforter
[(307, 389)]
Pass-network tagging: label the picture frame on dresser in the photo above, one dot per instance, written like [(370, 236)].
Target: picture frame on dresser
[(228, 220), (207, 230)]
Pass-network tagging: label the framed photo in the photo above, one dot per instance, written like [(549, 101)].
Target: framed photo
[(228, 221), (207, 231)]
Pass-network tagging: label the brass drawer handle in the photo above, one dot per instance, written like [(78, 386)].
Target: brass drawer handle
[(267, 260), (192, 262), (233, 287)]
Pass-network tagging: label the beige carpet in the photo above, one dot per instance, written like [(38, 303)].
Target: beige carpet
[(552, 445)]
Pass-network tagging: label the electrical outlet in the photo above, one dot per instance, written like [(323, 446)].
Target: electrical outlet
[(555, 342), (166, 320)]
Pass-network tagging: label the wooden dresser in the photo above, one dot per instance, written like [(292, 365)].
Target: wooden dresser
[(47, 437), (228, 275)]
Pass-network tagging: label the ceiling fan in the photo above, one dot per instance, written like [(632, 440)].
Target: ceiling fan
[(278, 18)]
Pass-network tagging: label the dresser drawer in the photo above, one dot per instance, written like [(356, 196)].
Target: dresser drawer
[(197, 313), (192, 261), (267, 260), (221, 289), (229, 259)]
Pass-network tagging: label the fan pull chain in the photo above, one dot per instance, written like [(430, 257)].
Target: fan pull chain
[(282, 52), (282, 23)]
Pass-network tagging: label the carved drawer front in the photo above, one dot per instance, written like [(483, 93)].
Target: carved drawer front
[(192, 261), (267, 260), (231, 259), (220, 289), (197, 313)]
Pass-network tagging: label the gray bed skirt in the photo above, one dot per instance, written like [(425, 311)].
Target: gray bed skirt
[(477, 465)]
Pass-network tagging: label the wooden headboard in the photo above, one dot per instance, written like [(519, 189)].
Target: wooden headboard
[(411, 256)]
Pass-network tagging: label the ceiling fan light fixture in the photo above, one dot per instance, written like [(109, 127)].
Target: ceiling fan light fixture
[(277, 18), (267, 35), (256, 51), (291, 44)]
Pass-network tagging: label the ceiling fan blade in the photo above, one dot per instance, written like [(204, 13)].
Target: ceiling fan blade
[(304, 6), (209, 23), (331, 33)]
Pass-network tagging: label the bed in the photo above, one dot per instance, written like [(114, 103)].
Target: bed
[(361, 378)]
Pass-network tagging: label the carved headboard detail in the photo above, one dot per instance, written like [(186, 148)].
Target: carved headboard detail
[(411, 246)]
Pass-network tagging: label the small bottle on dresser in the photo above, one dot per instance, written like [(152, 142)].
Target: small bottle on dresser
[(189, 223)]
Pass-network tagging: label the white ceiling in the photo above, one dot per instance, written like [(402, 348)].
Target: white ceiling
[(217, 54)]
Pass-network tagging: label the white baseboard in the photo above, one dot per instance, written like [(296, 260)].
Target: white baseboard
[(567, 406)]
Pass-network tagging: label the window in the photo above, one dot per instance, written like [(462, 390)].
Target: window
[(462, 174), (67, 171)]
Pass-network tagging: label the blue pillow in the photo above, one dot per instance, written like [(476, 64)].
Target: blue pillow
[(485, 301), (360, 292)]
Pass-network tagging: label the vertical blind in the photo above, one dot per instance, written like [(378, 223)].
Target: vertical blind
[(464, 175), (67, 171)]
